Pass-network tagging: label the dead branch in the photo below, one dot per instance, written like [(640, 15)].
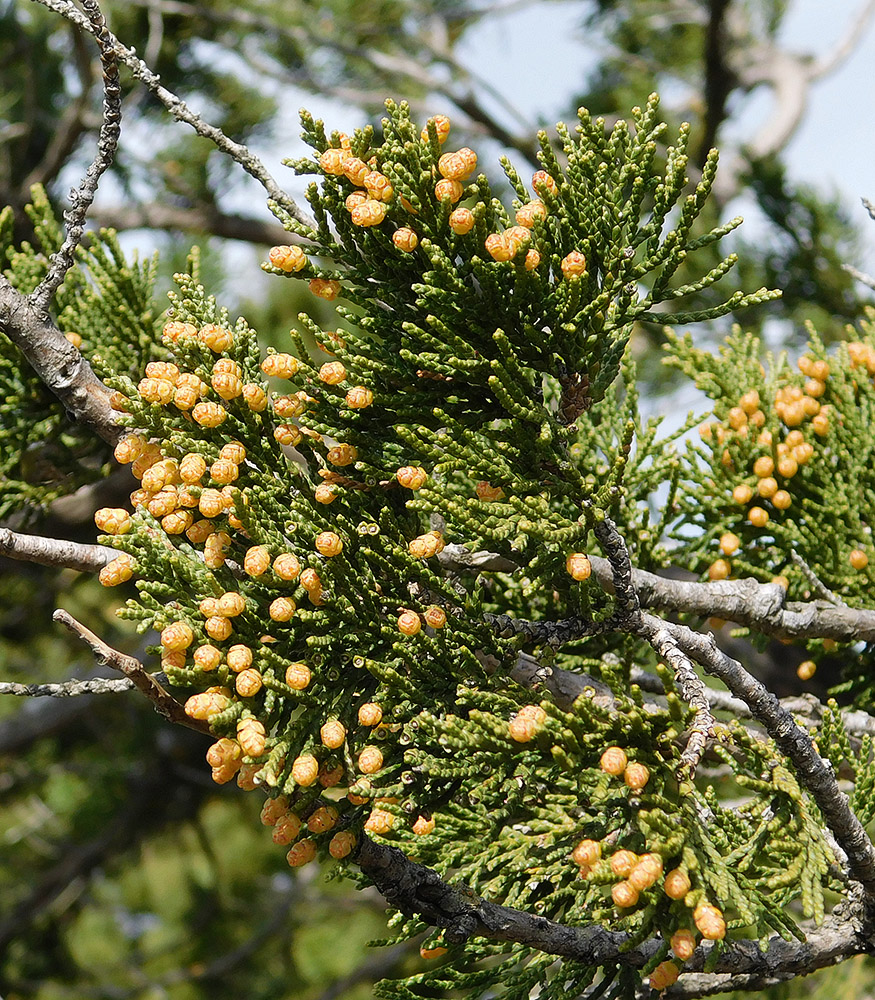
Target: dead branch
[(69, 689)]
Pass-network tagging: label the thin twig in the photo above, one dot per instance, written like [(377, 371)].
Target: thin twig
[(695, 693), (181, 112), (820, 588), (69, 689), (165, 704), (628, 608), (107, 143), (867, 279)]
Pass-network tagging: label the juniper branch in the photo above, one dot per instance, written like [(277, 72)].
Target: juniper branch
[(761, 606), (419, 891), (815, 773)]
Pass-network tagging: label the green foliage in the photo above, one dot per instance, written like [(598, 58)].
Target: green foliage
[(786, 466), (43, 455), (449, 404)]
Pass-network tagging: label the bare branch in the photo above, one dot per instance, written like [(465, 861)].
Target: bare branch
[(867, 279), (845, 46), (622, 584), (107, 143), (760, 606), (55, 551), (790, 77), (146, 683), (458, 559), (695, 693), (69, 689), (817, 585), (181, 112)]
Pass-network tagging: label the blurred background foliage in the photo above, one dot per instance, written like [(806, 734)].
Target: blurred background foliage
[(124, 872)]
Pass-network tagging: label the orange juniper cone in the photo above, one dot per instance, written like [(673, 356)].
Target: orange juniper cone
[(622, 862), (409, 623), (370, 714), (461, 221), (683, 943), (322, 819), (587, 852), (305, 770), (341, 844), (613, 761), (441, 127), (405, 239), (709, 921), (636, 776), (676, 884), (664, 975), (273, 809), (423, 827), (333, 734), (287, 828), (578, 566), (370, 760), (301, 853), (412, 477), (573, 265), (287, 258), (379, 822), (624, 894), (527, 723), (298, 676)]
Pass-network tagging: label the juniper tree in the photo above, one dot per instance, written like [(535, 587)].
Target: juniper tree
[(406, 573)]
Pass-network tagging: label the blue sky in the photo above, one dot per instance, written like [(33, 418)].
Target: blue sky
[(833, 149)]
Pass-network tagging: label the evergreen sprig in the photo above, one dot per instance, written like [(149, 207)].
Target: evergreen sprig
[(106, 307), (286, 535)]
